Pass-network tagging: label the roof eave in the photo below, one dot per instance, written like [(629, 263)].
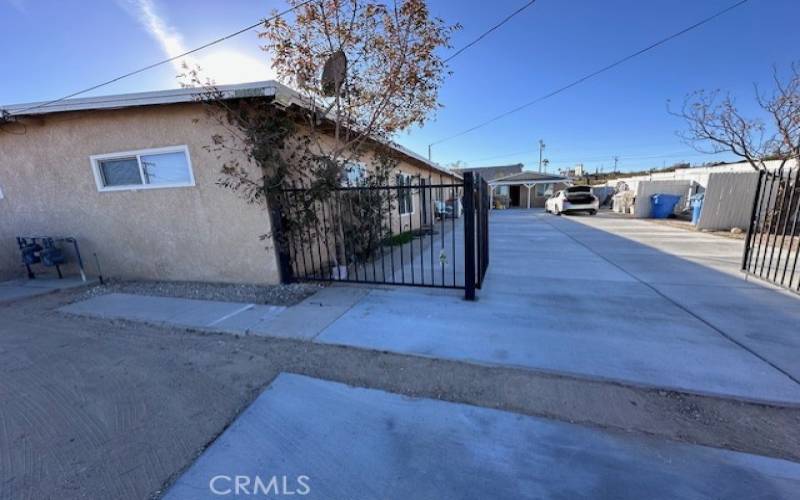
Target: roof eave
[(159, 97)]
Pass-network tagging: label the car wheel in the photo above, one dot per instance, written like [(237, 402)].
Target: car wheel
[(592, 212)]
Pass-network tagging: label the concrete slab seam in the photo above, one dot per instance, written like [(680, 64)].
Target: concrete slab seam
[(230, 315)]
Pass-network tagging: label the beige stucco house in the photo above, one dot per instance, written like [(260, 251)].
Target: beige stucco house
[(526, 189), (130, 177), (514, 187)]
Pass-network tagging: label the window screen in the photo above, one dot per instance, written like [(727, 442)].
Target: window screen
[(165, 168), (120, 172)]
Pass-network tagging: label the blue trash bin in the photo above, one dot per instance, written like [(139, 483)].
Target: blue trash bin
[(697, 207), (662, 205)]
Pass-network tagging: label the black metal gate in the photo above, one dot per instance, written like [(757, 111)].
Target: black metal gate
[(773, 237), (412, 230)]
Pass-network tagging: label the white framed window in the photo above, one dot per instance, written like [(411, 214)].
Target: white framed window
[(168, 167), (544, 190), (501, 191), (405, 199)]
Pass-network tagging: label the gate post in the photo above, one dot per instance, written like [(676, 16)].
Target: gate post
[(752, 225), (469, 236)]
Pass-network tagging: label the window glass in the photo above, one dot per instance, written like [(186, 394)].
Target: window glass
[(120, 172), (355, 175), (166, 168), (544, 190), (405, 201), (501, 191)]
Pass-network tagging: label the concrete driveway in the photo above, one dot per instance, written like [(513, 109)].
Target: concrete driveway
[(601, 297), (373, 444)]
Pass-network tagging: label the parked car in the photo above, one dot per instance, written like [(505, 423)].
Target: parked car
[(572, 199)]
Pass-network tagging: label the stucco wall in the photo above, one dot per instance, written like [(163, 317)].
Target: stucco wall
[(204, 232)]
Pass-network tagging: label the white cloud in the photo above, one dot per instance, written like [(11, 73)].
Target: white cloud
[(217, 63), (20, 5)]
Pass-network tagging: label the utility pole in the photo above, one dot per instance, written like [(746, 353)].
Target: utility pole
[(616, 159), (429, 152), (541, 149)]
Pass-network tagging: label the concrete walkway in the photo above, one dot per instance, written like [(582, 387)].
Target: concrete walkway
[(24, 288), (303, 321), (601, 297), (326, 440)]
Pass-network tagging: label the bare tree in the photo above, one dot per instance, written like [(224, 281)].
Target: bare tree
[(368, 68), (717, 126)]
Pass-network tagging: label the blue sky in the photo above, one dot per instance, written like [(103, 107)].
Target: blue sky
[(56, 47)]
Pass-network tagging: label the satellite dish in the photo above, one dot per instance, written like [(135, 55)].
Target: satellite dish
[(333, 73)]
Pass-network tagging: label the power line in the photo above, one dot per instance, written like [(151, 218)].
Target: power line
[(681, 154), (610, 158), (485, 33), (595, 73), (165, 61), (593, 152)]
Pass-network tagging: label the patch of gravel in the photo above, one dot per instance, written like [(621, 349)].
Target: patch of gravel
[(281, 295)]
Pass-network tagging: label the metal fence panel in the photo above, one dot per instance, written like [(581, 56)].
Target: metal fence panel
[(415, 231), (772, 245)]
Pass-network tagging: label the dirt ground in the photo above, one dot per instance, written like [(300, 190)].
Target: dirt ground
[(93, 408)]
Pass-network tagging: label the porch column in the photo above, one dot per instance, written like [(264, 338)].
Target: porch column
[(529, 186), (491, 197)]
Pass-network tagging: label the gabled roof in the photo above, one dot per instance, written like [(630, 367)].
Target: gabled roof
[(282, 94), (529, 176), (492, 172)]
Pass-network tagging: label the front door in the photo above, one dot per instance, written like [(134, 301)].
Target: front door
[(513, 195)]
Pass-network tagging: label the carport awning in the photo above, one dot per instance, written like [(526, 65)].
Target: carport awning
[(528, 179)]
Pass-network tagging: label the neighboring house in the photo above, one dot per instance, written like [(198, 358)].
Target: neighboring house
[(491, 173), (527, 189), (131, 177)]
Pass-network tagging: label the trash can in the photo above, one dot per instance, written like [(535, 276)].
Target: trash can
[(662, 205), (697, 207)]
